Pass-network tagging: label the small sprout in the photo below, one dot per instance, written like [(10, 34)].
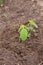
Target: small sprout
[(31, 22), (26, 30)]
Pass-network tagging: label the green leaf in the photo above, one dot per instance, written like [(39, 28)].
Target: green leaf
[(23, 34), (31, 22)]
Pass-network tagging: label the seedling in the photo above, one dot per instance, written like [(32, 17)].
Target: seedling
[(26, 30)]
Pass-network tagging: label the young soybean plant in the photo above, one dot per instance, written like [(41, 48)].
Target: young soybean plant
[(25, 31)]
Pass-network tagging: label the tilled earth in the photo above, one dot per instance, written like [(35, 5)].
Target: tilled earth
[(12, 14)]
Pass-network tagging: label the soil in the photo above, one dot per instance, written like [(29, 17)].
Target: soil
[(12, 14)]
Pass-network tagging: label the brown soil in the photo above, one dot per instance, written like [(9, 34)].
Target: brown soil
[(13, 52)]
